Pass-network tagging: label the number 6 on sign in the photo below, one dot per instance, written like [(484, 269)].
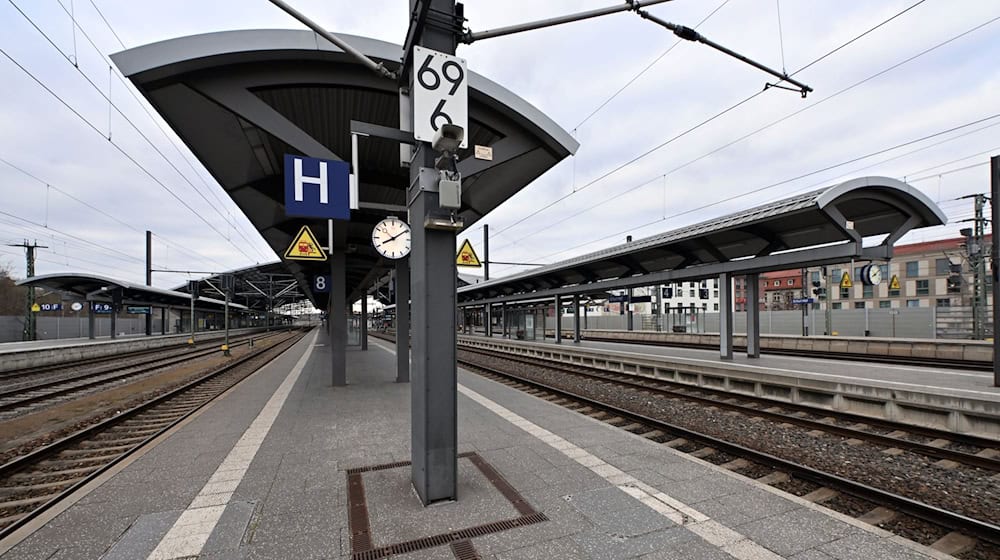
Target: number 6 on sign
[(440, 93)]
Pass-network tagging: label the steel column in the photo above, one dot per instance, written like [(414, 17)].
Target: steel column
[(91, 322), (403, 321), (629, 304), (149, 278), (504, 332), (725, 316), (558, 307), (364, 322), (337, 316), (576, 319), (995, 262), (753, 315), (434, 391)]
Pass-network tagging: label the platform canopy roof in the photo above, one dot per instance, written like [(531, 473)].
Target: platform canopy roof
[(825, 226), (254, 286), (100, 288), (242, 99)]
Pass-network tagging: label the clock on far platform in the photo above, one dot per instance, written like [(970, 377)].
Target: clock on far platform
[(871, 274), (391, 238)]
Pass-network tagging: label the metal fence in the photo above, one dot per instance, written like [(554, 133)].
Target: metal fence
[(917, 322)]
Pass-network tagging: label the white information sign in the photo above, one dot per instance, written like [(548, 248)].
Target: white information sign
[(440, 93)]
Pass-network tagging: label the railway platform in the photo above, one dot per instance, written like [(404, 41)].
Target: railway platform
[(287, 466)]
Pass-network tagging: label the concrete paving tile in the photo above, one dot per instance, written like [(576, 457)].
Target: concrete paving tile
[(559, 548), (812, 554), (794, 531), (230, 530), (697, 490), (613, 547), (603, 502), (690, 549), (864, 546), (298, 546), (632, 522), (749, 505)]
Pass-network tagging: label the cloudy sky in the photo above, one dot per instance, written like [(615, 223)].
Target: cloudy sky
[(915, 99)]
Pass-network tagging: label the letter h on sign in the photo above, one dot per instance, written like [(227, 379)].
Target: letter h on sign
[(318, 188)]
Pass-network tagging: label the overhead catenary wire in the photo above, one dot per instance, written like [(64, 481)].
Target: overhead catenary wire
[(129, 121), (676, 137)]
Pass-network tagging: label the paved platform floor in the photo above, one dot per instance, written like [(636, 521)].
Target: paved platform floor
[(264, 473), (962, 383)]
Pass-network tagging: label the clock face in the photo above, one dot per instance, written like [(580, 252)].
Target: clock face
[(391, 238), (874, 274)]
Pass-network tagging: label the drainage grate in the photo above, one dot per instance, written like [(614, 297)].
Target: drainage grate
[(357, 514), (463, 550), (361, 539)]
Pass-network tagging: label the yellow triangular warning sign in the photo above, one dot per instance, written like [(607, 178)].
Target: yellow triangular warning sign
[(845, 281), (467, 256), (305, 247), (894, 283)]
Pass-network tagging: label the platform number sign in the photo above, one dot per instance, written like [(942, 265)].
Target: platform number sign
[(321, 284), (440, 93)]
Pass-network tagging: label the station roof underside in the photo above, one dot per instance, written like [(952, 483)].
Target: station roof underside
[(242, 99), (810, 229), (254, 285), (99, 288)]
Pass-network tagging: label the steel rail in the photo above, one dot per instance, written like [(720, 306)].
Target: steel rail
[(23, 462), (935, 515)]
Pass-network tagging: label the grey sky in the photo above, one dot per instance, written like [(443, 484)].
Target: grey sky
[(566, 72)]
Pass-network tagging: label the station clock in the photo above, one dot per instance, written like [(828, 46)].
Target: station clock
[(391, 238)]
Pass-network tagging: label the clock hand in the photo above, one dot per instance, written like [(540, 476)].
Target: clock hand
[(395, 236)]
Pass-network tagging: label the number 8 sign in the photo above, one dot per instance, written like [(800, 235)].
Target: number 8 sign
[(440, 93)]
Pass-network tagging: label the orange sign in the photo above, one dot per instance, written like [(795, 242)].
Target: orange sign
[(305, 247)]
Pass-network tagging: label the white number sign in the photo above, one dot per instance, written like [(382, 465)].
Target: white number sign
[(440, 93)]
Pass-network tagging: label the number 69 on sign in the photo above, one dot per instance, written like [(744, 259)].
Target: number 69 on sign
[(440, 93)]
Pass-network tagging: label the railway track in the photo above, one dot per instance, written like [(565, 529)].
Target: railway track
[(910, 517), (34, 482), (31, 394)]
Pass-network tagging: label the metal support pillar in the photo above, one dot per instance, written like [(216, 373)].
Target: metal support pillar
[(753, 315), (364, 322), (504, 332), (403, 321), (585, 322), (995, 261), (659, 307), (337, 316), (164, 313), (725, 316), (434, 391), (631, 326), (91, 322), (558, 307), (576, 319), (489, 320), (116, 303), (149, 278)]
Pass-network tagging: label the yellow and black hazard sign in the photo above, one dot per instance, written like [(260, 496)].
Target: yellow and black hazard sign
[(467, 256), (845, 280), (894, 283), (305, 247)]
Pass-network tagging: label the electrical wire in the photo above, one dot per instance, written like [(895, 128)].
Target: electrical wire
[(135, 127)]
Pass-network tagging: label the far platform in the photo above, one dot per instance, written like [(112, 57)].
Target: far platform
[(323, 473)]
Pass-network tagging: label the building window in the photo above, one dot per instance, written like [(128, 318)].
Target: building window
[(835, 275), (867, 291), (836, 305), (715, 282), (716, 292), (814, 276), (691, 293), (845, 293), (923, 287), (857, 272), (885, 272), (941, 267), (912, 269), (791, 282), (913, 303), (943, 302), (859, 305), (777, 283), (716, 305), (704, 306), (885, 304)]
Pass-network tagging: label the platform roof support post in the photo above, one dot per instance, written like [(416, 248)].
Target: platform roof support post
[(995, 261), (753, 315), (489, 320), (558, 308), (585, 318), (631, 326), (149, 278), (725, 316), (338, 305), (91, 322), (164, 311), (364, 321), (504, 333), (434, 391), (403, 321), (576, 318)]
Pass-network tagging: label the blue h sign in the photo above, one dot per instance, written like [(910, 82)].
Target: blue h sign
[(317, 188)]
